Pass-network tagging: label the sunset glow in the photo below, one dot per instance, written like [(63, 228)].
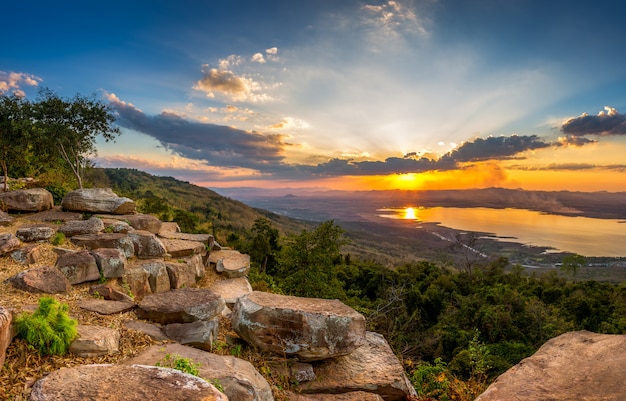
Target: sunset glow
[(366, 95), (409, 213)]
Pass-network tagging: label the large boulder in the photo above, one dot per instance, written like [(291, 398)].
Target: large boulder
[(309, 329), (97, 200), (241, 382), (27, 200), (111, 261), (177, 248), (145, 222), (181, 274), (78, 267), (5, 332), (574, 366), (199, 334), (47, 279), (372, 368), (123, 382), (184, 305), (147, 245)]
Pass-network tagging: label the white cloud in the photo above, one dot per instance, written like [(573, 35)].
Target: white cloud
[(258, 58), (15, 81)]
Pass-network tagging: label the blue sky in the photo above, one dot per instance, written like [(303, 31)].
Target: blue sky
[(341, 94)]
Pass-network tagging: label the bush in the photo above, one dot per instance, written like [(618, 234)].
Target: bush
[(177, 362), (49, 329)]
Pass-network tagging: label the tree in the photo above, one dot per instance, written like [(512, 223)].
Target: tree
[(264, 244), (14, 130), (71, 126), (572, 264), (306, 262)]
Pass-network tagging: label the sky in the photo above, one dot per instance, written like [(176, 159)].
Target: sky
[(340, 94)]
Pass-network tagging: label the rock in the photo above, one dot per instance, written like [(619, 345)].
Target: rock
[(27, 200), (29, 254), (97, 200), (48, 279), (293, 370), (106, 307), (5, 332), (95, 241), (92, 225), (181, 275), (95, 341), (574, 366), (5, 219), (241, 382), (372, 368), (206, 239), (136, 278), (308, 329), (168, 227), (78, 267), (107, 292), (232, 289), (177, 248), (158, 278), (123, 382), (147, 245), (34, 233), (8, 243), (111, 261), (230, 262), (184, 305), (55, 215), (352, 396), (155, 332), (199, 334), (116, 226), (144, 222)]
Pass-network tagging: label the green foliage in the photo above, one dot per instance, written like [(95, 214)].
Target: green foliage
[(572, 263), (49, 329), (58, 239), (431, 380), (177, 362)]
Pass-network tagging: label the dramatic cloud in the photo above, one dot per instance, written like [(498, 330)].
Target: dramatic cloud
[(14, 81), (576, 141), (607, 122), (217, 144), (233, 87), (496, 148), (393, 15)]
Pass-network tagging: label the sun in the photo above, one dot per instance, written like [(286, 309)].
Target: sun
[(409, 213)]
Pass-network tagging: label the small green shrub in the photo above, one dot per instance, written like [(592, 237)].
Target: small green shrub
[(58, 239), (49, 329), (177, 362)]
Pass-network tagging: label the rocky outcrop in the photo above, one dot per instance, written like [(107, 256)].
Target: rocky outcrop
[(372, 368), (95, 341), (199, 334), (147, 245), (28, 254), (177, 248), (5, 332), (144, 222), (309, 329), (97, 200), (108, 240), (240, 380), (575, 366), (47, 279), (111, 262), (181, 275), (184, 305), (232, 289), (27, 200), (123, 382)]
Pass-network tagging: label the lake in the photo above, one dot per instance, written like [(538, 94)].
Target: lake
[(581, 235)]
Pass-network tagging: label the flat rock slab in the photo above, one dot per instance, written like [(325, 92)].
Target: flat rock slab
[(155, 332), (230, 262), (177, 248), (240, 379), (55, 215), (47, 279), (183, 305), (232, 289), (95, 341), (27, 200), (114, 240), (575, 366), (97, 200), (105, 307), (123, 382), (171, 233), (309, 329), (372, 368)]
